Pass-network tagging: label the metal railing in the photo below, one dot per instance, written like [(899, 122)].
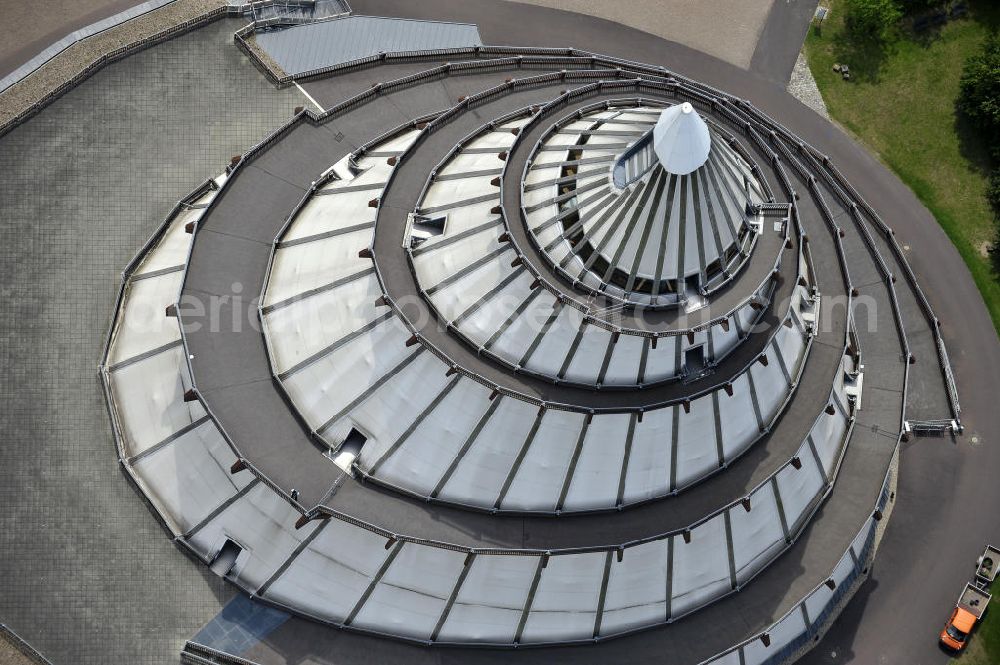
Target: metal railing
[(598, 292), (932, 426), (761, 290), (196, 653), (336, 514), (387, 299), (861, 557), (708, 97), (569, 53), (307, 116)]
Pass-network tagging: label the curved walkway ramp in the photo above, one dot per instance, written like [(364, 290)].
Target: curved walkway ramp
[(200, 447), (368, 460)]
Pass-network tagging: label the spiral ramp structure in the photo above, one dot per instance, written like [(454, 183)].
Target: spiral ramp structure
[(497, 353)]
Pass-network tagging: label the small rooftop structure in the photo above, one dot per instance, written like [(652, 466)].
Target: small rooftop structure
[(681, 139), (679, 221)]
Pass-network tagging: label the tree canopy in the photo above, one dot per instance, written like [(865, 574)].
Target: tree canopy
[(873, 18), (979, 97)]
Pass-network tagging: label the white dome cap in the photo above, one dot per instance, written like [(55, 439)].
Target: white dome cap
[(681, 139)]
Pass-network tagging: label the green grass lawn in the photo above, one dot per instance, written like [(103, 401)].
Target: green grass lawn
[(901, 104)]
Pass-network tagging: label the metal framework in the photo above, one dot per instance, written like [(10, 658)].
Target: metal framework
[(783, 639)]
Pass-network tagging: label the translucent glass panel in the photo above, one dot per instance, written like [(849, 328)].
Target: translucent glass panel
[(328, 578)]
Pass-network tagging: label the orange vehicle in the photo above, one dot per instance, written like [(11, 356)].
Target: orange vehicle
[(972, 603), (970, 609)]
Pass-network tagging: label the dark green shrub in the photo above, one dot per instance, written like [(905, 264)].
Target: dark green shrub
[(979, 96), (993, 192), (979, 101), (872, 18), (993, 196)]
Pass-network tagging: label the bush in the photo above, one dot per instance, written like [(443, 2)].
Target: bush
[(993, 192), (993, 196), (979, 96), (916, 7), (872, 18), (979, 101)]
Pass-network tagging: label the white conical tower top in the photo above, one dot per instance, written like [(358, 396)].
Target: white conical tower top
[(681, 139)]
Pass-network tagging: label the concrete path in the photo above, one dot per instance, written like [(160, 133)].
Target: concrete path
[(726, 29), (764, 36), (781, 39)]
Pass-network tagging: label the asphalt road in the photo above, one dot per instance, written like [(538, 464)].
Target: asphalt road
[(781, 39), (38, 27)]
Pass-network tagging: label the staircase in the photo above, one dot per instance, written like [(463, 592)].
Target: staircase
[(278, 13)]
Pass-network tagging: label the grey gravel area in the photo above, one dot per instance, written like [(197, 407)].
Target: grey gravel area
[(87, 575), (263, 58), (11, 656), (803, 87)]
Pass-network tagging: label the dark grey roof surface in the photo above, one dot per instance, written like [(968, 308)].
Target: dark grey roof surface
[(304, 48)]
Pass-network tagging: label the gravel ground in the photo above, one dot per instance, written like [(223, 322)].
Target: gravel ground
[(263, 58), (803, 87), (10, 654)]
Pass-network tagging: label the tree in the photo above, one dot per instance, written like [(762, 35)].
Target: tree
[(979, 101), (993, 192), (979, 95), (872, 18), (993, 196)]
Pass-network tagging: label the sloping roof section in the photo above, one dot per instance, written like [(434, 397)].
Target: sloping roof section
[(304, 48)]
